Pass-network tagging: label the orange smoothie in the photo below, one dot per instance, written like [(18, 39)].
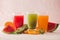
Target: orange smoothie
[(42, 23)]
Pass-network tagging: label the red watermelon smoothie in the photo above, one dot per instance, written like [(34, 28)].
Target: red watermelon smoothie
[(18, 21)]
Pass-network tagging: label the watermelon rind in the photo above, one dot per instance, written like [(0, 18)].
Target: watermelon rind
[(56, 27)]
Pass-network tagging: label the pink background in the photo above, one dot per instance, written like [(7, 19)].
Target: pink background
[(8, 8)]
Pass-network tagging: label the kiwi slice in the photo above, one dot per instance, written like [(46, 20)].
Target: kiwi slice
[(21, 29)]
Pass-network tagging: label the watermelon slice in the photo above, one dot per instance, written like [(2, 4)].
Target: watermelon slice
[(21, 29), (52, 26), (8, 29), (11, 24)]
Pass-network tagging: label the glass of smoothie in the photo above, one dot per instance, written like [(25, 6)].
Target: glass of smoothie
[(43, 22), (18, 21), (32, 21)]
